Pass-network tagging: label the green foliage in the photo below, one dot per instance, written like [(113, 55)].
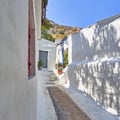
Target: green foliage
[(61, 32), (47, 24), (59, 66), (45, 35), (49, 37), (66, 57), (43, 30), (40, 63)]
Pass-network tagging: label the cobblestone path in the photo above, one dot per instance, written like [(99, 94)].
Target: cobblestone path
[(65, 108)]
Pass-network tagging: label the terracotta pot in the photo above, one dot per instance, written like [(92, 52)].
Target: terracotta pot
[(59, 72)]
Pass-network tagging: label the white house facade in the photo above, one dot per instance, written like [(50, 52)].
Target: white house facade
[(18, 35), (94, 63), (47, 53)]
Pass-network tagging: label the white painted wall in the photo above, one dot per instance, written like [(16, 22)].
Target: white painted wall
[(18, 94), (100, 80), (59, 58), (45, 45), (94, 58), (59, 54), (95, 42)]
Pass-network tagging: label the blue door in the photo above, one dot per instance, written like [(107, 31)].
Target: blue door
[(43, 55)]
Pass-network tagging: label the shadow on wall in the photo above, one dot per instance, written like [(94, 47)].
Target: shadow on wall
[(98, 77), (100, 80), (103, 42), (107, 44)]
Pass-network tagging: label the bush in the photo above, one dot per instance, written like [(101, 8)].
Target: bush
[(59, 66), (40, 64), (66, 57), (48, 37), (45, 35), (47, 24), (61, 32)]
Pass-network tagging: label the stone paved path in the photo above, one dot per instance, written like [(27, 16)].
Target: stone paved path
[(65, 108)]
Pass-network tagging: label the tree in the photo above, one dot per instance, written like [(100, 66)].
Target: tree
[(44, 6)]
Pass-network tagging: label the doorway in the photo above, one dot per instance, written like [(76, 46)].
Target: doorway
[(43, 55)]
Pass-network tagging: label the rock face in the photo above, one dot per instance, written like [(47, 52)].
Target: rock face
[(61, 31)]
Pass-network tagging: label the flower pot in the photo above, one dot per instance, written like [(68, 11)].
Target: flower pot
[(59, 71), (39, 68)]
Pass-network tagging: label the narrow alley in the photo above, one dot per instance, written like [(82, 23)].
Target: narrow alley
[(65, 108), (59, 106), (55, 102)]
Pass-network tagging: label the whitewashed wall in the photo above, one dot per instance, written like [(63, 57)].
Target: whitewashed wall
[(45, 45), (95, 42), (18, 95), (94, 58), (59, 54)]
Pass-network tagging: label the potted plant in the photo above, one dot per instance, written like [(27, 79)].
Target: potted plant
[(59, 67), (40, 64)]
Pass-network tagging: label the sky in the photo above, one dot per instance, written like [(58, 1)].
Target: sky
[(81, 13)]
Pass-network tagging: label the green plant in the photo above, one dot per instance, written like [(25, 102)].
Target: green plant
[(59, 66), (47, 24), (66, 57), (48, 37), (61, 32), (40, 64), (45, 35)]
